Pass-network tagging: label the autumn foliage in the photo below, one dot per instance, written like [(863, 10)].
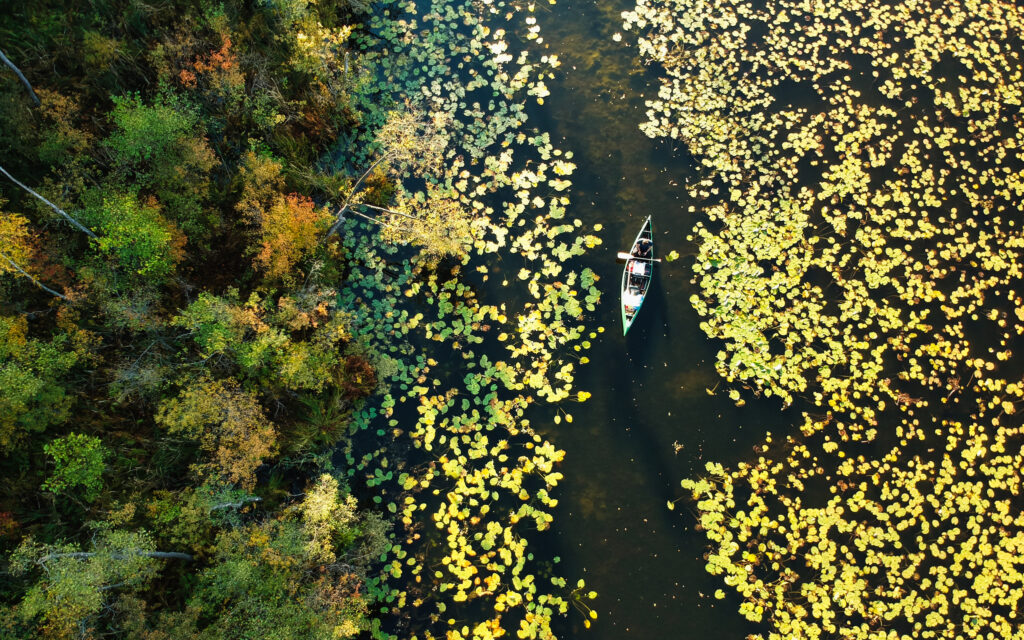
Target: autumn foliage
[(172, 373), (15, 241), (229, 425), (289, 230)]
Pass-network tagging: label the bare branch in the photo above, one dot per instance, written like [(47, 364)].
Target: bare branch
[(355, 189), (76, 223), (386, 210), (162, 555), (383, 223), (235, 505), (21, 77), (409, 139), (27, 275)]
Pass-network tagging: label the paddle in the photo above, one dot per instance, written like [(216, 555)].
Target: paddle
[(622, 255)]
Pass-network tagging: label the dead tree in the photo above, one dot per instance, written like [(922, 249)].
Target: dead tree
[(21, 76)]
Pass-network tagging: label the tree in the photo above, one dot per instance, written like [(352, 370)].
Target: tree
[(64, 141), (258, 338), (32, 394), (72, 585), (15, 239), (288, 230), (161, 148), (261, 182), (262, 585), (408, 139), (78, 464), (17, 250), (326, 517), (187, 518), (227, 422), (135, 233), (287, 227), (297, 576), (435, 220)]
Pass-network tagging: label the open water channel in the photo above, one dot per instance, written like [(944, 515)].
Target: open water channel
[(651, 420)]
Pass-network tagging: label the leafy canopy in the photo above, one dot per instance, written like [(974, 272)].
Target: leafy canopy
[(32, 395), (229, 425), (162, 149), (78, 461), (135, 233)]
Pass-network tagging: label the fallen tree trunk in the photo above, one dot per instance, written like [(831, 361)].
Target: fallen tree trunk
[(29, 276), (21, 77), (63, 213)]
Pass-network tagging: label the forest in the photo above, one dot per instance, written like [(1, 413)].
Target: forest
[(221, 223), (174, 368)]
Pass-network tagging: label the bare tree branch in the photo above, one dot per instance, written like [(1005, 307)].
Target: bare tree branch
[(162, 555), (383, 223), (235, 505), (50, 204), (351, 194), (21, 77), (408, 138), (386, 210), (27, 275)]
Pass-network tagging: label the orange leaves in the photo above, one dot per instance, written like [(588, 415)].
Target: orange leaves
[(287, 226), (288, 230), (217, 68), (221, 60), (187, 79)]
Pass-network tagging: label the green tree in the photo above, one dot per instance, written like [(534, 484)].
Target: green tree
[(78, 465), (327, 519), (72, 586), (32, 372), (135, 233), (161, 149), (188, 518), (297, 576), (293, 343)]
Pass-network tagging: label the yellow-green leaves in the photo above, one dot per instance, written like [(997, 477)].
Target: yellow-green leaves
[(487, 481), (861, 252)]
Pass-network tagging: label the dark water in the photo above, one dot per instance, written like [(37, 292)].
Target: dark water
[(651, 421)]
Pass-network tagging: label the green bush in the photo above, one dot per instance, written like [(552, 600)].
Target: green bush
[(78, 464)]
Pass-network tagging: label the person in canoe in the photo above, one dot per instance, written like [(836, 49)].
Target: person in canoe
[(643, 249), (633, 297), (636, 276)]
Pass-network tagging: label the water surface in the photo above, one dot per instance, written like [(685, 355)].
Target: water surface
[(652, 419)]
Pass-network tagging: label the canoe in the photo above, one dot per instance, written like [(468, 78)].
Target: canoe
[(636, 275)]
